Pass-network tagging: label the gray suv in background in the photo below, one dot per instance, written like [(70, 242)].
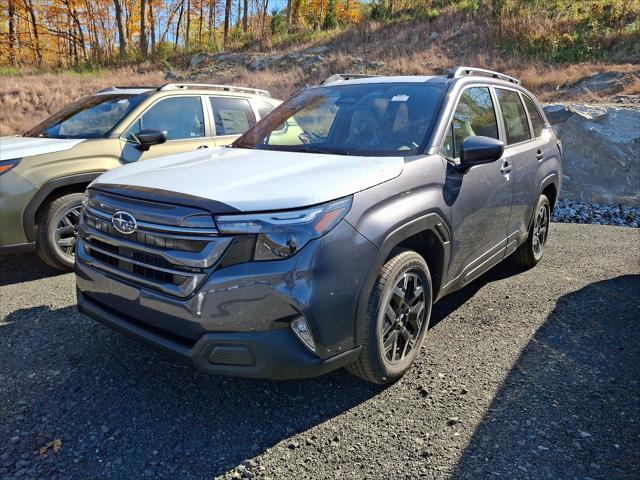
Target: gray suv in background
[(321, 238)]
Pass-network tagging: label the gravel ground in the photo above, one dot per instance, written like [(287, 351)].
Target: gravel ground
[(524, 375), (567, 211)]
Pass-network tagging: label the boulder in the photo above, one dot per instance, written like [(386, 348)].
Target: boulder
[(601, 145), (602, 84)]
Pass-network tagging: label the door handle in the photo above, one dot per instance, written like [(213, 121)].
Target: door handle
[(203, 146), (539, 154), (506, 167)]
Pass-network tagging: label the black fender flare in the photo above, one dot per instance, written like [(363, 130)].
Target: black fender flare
[(432, 222), (29, 215), (548, 180)]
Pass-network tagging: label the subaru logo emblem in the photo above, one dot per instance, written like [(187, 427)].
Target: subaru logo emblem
[(124, 222)]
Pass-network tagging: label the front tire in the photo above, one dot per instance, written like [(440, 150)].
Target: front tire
[(397, 319), (529, 254), (56, 231)]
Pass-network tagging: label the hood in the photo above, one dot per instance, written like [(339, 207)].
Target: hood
[(21, 147), (255, 180)]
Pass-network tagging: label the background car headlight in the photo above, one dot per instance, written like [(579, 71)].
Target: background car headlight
[(282, 234), (6, 165)]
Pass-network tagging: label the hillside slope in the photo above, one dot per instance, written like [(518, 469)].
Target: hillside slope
[(409, 47)]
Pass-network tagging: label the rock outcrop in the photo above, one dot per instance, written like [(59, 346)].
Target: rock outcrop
[(601, 152), (601, 84)]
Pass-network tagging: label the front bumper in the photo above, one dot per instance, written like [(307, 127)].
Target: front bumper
[(274, 354), (241, 313)]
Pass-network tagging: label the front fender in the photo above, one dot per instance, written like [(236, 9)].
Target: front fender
[(432, 222), (29, 216)]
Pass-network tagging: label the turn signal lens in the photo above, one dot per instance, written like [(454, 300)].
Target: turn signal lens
[(6, 165)]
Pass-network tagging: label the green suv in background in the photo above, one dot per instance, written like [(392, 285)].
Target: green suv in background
[(44, 172)]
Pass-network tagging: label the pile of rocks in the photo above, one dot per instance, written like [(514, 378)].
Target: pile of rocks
[(567, 211)]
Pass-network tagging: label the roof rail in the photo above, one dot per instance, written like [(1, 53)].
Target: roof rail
[(128, 87), (457, 72), (210, 86), (347, 76)]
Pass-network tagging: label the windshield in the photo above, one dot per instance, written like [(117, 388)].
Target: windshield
[(91, 117), (371, 119)]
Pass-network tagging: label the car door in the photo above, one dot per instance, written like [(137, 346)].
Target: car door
[(523, 154), (182, 117), (232, 116), (541, 148), (479, 196)]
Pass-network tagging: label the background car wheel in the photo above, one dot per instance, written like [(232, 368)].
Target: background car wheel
[(397, 318), (56, 231), (531, 252)]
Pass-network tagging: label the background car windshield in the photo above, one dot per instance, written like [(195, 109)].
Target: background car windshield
[(91, 117), (371, 119)]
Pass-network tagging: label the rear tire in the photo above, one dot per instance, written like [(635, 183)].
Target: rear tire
[(397, 319), (530, 253), (56, 231)]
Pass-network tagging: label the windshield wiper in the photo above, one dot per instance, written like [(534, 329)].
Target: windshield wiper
[(312, 149)]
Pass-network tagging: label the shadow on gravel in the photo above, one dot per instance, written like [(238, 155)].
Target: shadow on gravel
[(124, 411), (24, 267), (569, 407)]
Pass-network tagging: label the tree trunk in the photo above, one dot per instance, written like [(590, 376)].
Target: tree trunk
[(264, 16), (143, 29), (152, 28), (212, 22), (227, 20), (122, 38), (12, 34), (295, 15), (79, 36), (34, 25), (289, 2), (245, 17), (187, 37), (178, 25), (200, 21)]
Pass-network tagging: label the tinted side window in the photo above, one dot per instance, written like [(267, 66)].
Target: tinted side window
[(181, 117), (474, 115), (515, 119), (232, 116), (534, 115)]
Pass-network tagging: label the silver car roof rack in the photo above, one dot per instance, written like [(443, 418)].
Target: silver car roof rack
[(457, 72), (128, 87), (347, 76), (211, 86)]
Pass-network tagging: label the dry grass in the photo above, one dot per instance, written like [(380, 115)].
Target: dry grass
[(404, 47), (28, 99)]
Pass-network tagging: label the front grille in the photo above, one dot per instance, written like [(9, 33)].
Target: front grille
[(168, 258), (99, 249), (153, 240)]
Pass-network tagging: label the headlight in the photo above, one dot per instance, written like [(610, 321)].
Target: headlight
[(6, 165), (282, 234)]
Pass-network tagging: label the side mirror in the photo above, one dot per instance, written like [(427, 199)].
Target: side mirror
[(149, 137), (477, 150)]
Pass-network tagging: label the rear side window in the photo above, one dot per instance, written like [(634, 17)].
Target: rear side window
[(232, 116), (515, 119), (181, 117), (264, 109), (474, 115), (534, 115)]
